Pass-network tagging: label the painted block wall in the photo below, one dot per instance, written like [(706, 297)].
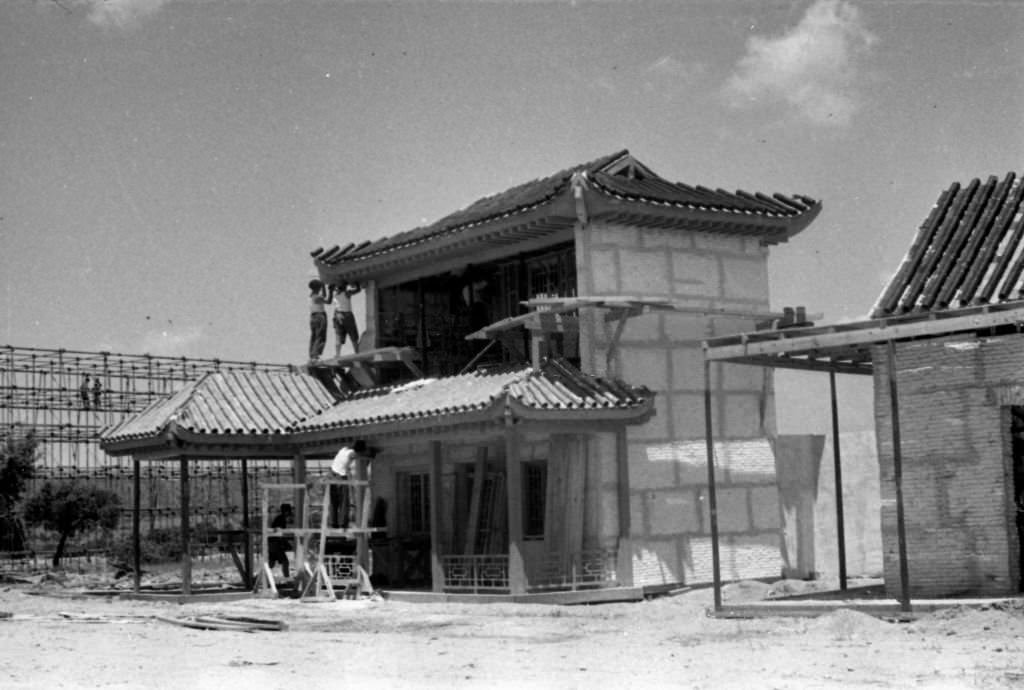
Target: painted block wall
[(668, 469), (600, 522), (957, 471)]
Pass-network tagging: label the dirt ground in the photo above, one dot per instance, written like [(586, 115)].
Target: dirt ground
[(55, 635)]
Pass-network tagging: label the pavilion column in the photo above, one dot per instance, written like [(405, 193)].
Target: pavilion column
[(361, 499), (624, 564), (514, 477), (716, 571), (246, 537), (136, 523), (436, 567), (299, 503), (186, 507)]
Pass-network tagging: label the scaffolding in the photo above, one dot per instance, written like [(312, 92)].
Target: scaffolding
[(43, 390)]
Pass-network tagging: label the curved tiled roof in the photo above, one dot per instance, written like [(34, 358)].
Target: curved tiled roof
[(969, 251), (554, 386), (236, 402), (608, 176)]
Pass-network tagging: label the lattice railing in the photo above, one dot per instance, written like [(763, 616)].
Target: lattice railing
[(487, 573), (588, 569)]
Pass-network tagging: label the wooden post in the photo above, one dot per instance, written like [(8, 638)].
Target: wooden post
[(360, 496), (716, 572), (246, 536), (514, 472), (186, 551), (436, 567), (837, 464), (301, 507), (897, 470), (136, 518), (264, 536), (624, 563), (476, 495)]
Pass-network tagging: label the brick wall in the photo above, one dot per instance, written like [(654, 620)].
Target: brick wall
[(956, 465), (668, 471)]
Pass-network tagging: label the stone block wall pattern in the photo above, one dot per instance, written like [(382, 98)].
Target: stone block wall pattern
[(954, 394), (668, 466)]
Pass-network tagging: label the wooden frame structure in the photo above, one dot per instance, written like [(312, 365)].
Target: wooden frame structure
[(849, 349)]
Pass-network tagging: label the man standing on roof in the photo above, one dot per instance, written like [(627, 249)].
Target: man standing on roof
[(344, 319), (317, 320)]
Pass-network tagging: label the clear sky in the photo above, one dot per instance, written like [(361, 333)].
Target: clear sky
[(168, 165)]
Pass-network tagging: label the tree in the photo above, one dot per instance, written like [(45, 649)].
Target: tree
[(72, 507), (17, 467)]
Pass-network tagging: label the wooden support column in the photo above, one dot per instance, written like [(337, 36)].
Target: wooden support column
[(897, 470), (514, 476), (361, 500), (837, 464), (246, 536), (624, 564), (300, 502), (186, 550), (716, 571), (436, 568), (136, 527)]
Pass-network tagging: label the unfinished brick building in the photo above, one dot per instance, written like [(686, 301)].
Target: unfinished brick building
[(945, 347)]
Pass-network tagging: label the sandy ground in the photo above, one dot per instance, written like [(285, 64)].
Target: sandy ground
[(56, 636)]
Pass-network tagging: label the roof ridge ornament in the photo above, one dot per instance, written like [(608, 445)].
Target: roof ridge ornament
[(578, 183)]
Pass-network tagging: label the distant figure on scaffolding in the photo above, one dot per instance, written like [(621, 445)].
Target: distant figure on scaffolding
[(97, 392), (344, 319), (345, 466), (83, 393), (317, 319)]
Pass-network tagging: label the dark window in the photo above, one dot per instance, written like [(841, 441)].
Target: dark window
[(535, 482), (414, 502)]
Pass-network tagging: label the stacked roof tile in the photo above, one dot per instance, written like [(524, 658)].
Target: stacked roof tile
[(236, 402), (969, 251)]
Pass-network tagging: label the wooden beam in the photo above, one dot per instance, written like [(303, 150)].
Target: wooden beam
[(716, 569), (514, 472), (878, 331), (806, 364), (624, 564), (247, 545), (473, 522), (838, 467), (436, 568), (136, 528), (186, 550), (897, 466)]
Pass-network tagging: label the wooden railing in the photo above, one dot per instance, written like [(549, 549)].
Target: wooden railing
[(476, 574), (588, 569)]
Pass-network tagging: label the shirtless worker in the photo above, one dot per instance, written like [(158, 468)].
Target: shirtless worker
[(344, 320)]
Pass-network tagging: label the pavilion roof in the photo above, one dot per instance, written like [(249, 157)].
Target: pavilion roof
[(616, 187)]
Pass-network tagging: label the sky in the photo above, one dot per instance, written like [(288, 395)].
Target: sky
[(169, 165)]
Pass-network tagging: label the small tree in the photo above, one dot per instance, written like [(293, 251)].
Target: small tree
[(17, 467), (72, 507)]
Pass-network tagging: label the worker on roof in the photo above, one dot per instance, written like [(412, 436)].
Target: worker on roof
[(344, 319), (317, 319)]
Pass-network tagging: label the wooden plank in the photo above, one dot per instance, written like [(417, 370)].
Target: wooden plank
[(513, 471), (436, 569), (823, 342)]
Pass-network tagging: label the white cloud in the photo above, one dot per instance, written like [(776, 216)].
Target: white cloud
[(169, 342), (121, 13), (813, 68)]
